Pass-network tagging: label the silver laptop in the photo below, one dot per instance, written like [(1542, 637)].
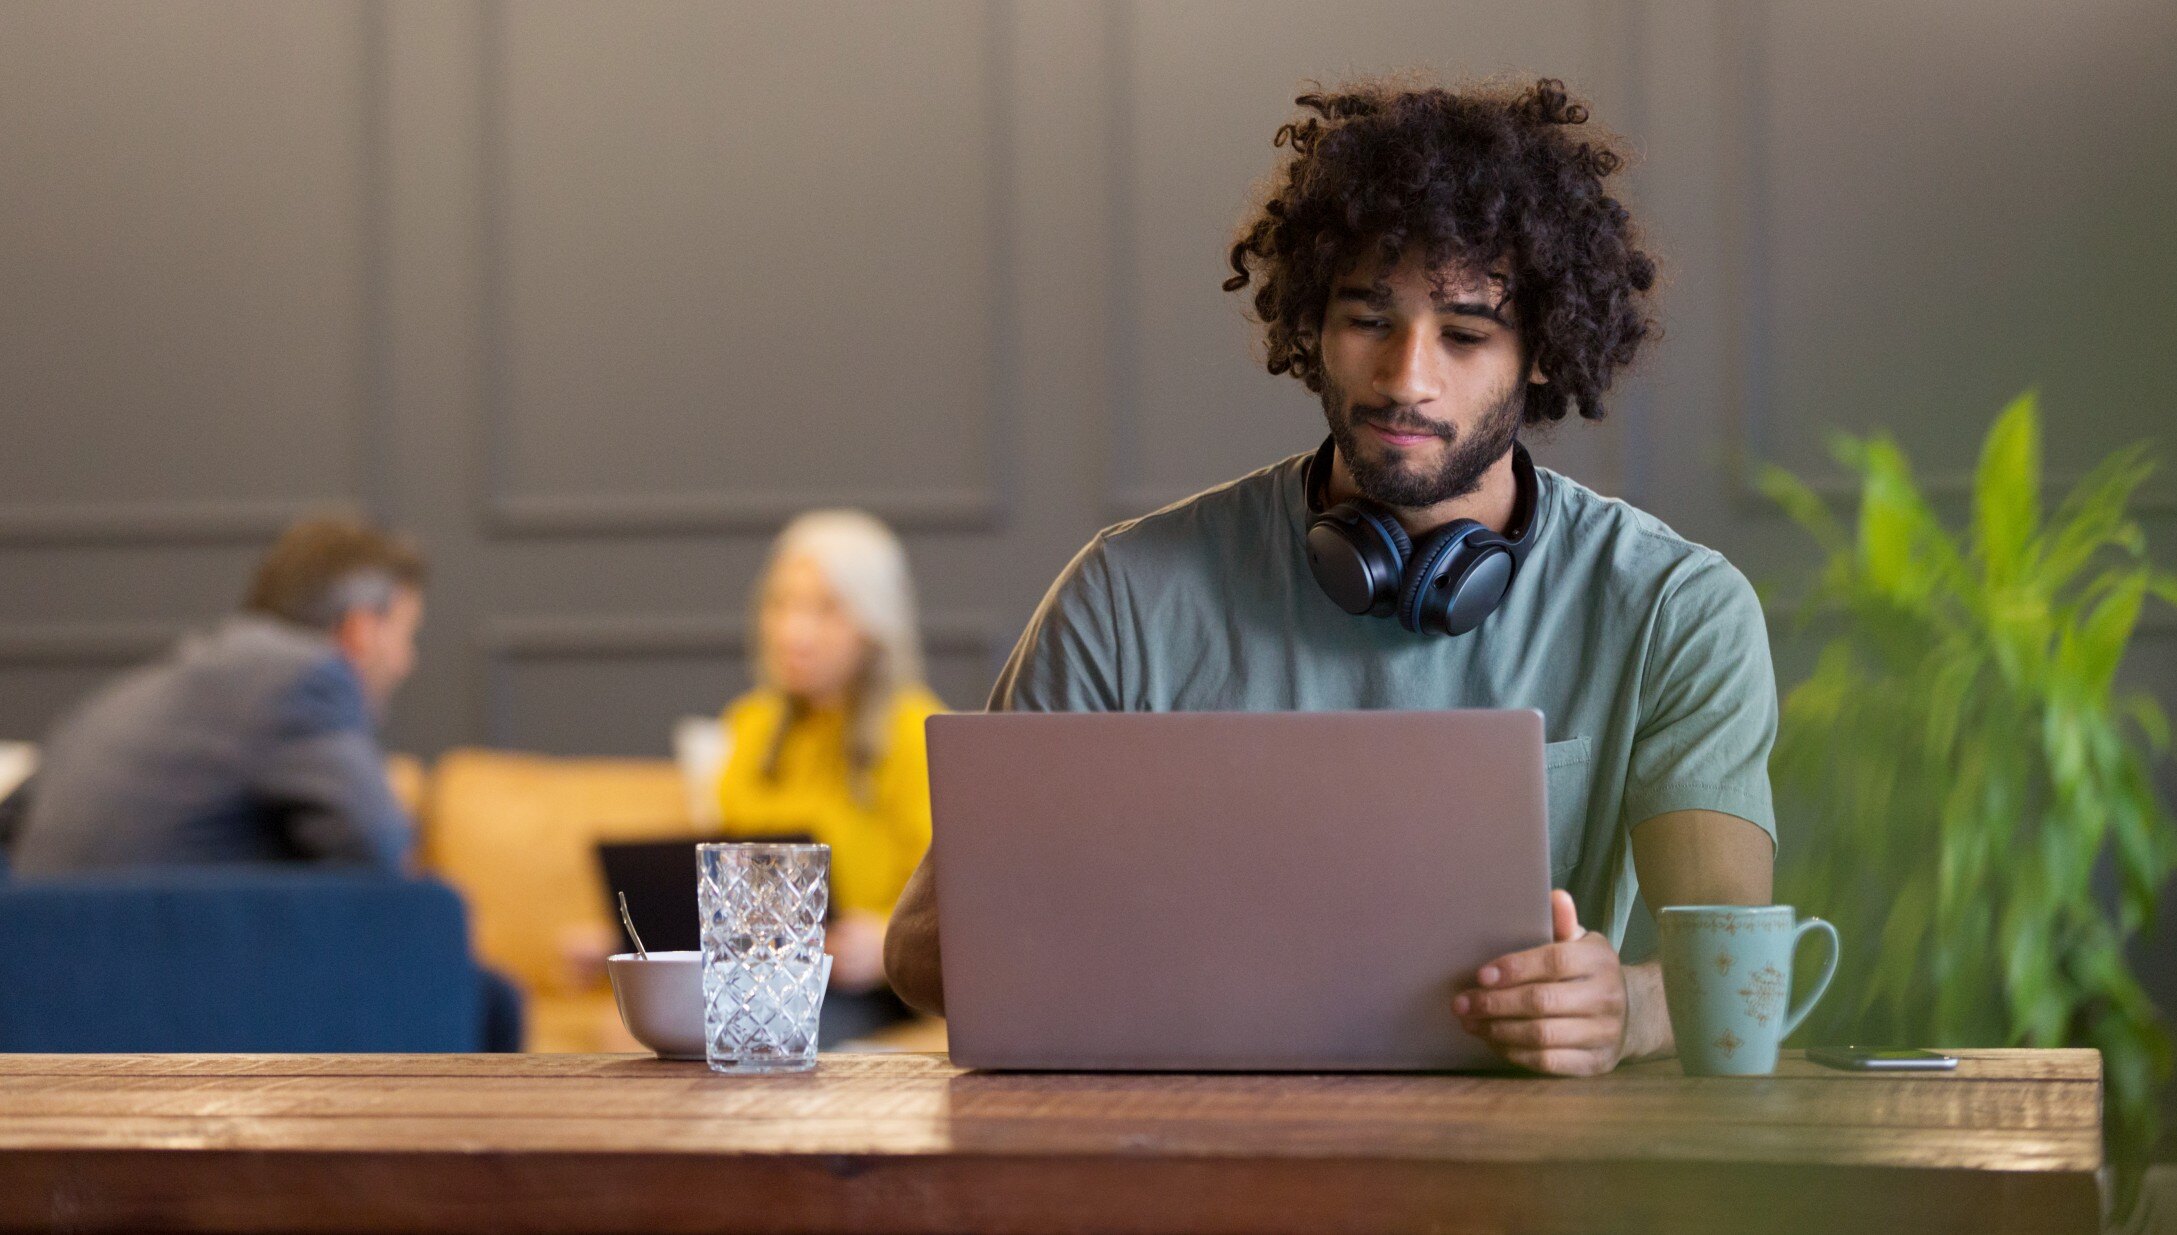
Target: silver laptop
[(1231, 891)]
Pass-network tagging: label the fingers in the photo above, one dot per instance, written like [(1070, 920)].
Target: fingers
[(1543, 964), (1550, 963), (1554, 962), (1561, 1062), (1548, 1033), (1564, 917), (1557, 1009), (1543, 999)]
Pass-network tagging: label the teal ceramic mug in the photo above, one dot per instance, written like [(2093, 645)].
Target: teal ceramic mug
[(1727, 981)]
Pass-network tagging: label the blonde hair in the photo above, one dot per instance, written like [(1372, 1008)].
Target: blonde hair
[(864, 563)]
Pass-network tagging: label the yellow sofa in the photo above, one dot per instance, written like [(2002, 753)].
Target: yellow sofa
[(516, 833)]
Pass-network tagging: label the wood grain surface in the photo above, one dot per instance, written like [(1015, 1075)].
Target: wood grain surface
[(2009, 1142)]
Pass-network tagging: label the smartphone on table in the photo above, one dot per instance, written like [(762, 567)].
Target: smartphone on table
[(1881, 1059)]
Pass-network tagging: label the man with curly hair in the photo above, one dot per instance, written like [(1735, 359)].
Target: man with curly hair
[(1445, 269)]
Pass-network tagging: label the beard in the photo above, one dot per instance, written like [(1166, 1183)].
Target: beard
[(1394, 478)]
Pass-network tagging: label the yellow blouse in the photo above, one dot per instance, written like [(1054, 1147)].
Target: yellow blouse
[(875, 840)]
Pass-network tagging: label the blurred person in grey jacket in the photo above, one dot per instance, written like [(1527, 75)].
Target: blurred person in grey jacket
[(256, 741)]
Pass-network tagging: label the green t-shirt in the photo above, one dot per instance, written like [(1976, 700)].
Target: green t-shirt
[(1646, 654)]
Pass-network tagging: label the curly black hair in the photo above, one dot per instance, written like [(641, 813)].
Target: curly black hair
[(1470, 178)]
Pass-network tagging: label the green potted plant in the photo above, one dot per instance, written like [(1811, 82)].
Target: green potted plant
[(1962, 760)]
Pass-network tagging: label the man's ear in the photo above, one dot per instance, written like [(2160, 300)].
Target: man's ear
[(1535, 375)]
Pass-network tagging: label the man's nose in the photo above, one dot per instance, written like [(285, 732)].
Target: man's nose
[(1406, 375)]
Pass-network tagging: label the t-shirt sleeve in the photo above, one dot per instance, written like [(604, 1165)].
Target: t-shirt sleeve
[(1707, 704), (1068, 659)]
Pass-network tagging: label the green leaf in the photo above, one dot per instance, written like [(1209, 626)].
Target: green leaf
[(2099, 642), (1848, 450), (1892, 513), (2146, 841), (2163, 586), (1904, 936), (1963, 766), (2007, 492), (2020, 627), (2091, 518), (1949, 697), (2153, 722), (1804, 505)]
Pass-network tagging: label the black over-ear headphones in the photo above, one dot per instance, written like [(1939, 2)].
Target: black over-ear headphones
[(1446, 585)]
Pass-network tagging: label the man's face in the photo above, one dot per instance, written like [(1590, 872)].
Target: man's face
[(381, 645), (1423, 379)]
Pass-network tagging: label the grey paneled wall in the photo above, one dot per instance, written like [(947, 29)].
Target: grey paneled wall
[(794, 252), (190, 267), (189, 322), (1955, 210), (592, 296)]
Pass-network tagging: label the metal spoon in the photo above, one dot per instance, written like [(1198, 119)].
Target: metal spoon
[(627, 920)]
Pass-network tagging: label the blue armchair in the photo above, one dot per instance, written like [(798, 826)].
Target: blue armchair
[(237, 959)]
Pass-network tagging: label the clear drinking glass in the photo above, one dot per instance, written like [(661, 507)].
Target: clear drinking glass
[(764, 967)]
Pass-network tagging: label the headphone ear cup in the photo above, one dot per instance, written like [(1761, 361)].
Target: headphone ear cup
[(1402, 556), (1429, 562), (1458, 575), (1358, 558), (1393, 532)]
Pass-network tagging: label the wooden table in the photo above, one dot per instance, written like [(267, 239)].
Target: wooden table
[(2011, 1142)]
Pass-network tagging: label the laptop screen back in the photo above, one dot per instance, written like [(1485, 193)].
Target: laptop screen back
[(1255, 891)]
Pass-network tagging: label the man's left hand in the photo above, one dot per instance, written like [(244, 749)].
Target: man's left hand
[(1560, 1008)]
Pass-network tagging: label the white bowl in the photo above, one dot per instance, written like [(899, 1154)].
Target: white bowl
[(661, 1000)]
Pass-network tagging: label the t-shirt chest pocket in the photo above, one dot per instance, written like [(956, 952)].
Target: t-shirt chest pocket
[(1565, 767)]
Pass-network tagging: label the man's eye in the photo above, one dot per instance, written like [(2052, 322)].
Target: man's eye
[(1462, 338), (1366, 323)]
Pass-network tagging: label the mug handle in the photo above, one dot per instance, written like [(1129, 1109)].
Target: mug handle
[(1821, 984)]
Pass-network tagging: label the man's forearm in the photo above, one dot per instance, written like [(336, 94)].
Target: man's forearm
[(1647, 1017), (1689, 857)]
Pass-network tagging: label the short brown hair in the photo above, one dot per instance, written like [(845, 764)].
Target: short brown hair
[(324, 565)]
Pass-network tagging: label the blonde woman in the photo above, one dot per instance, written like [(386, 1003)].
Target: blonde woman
[(830, 741)]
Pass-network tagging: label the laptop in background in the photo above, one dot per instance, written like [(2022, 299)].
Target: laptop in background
[(659, 878), (1231, 891)]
